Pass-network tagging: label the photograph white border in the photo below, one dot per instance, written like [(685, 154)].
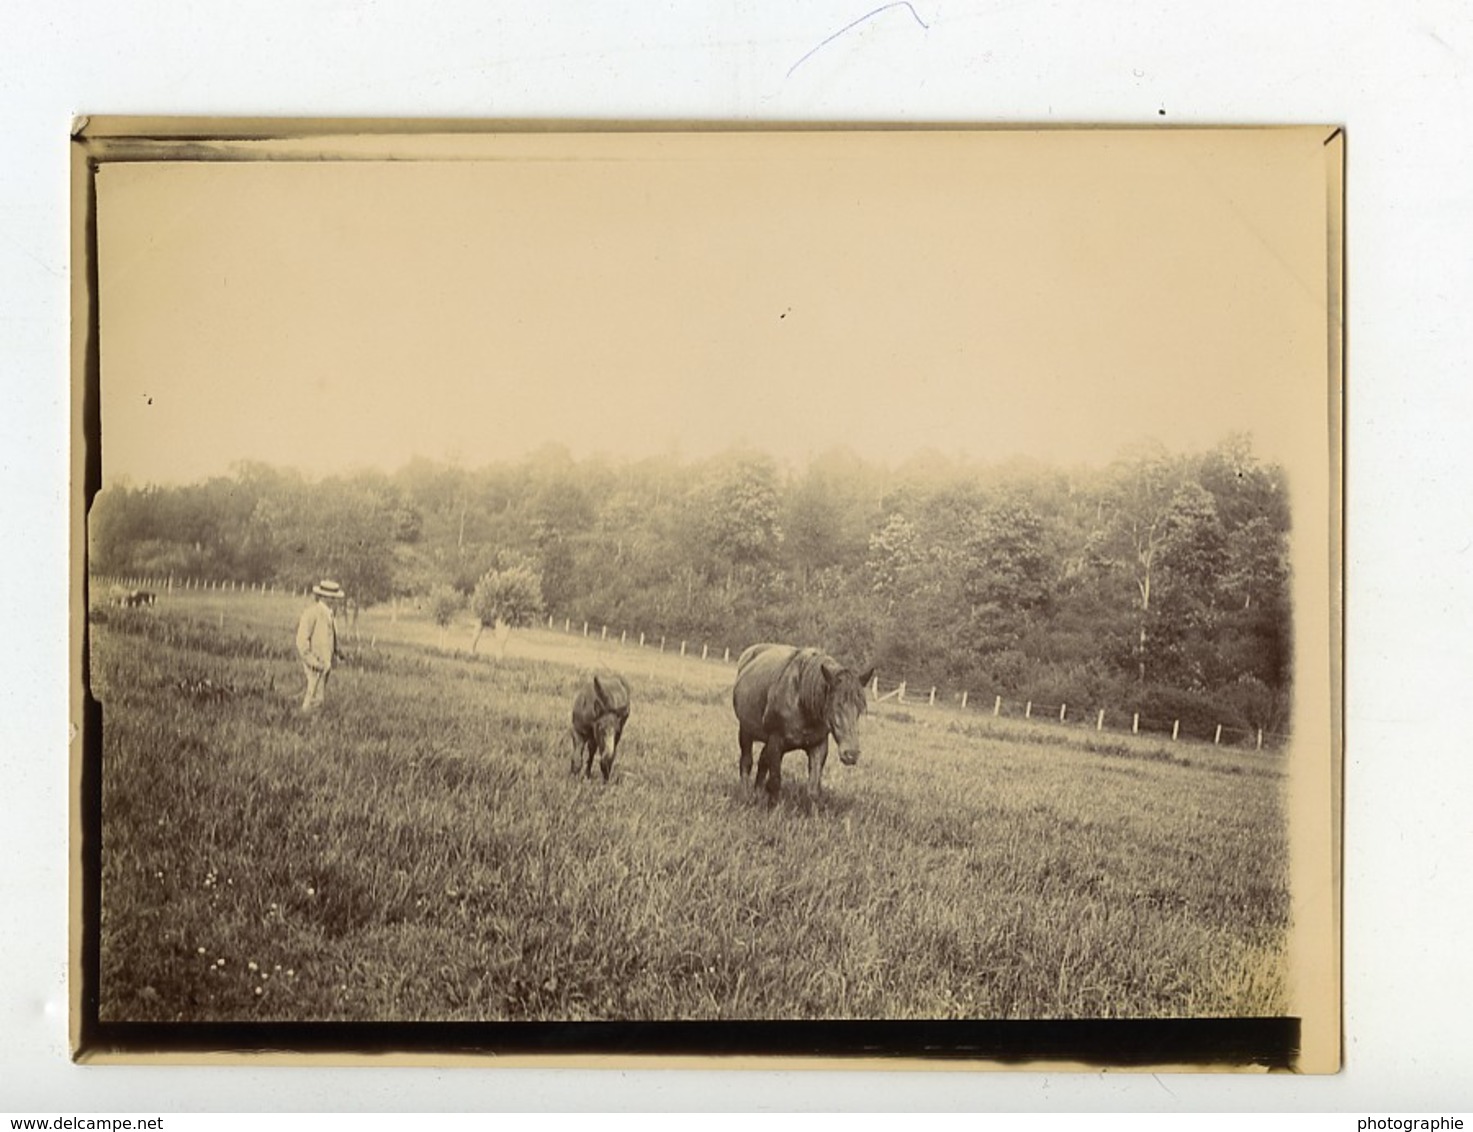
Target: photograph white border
[(1393, 77)]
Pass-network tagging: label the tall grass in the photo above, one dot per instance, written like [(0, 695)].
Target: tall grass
[(419, 851)]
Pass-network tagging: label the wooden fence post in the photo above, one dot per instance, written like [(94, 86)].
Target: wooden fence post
[(704, 648), (567, 624), (1028, 710), (1260, 738), (997, 706), (662, 644), (1135, 724), (585, 628), (1100, 722), (549, 620), (641, 640), (1175, 729), (726, 656), (1218, 737), (682, 648), (964, 697), (900, 693), (1062, 709), (623, 634), (603, 634), (874, 685), (933, 695)]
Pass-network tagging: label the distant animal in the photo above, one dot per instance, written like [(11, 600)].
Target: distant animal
[(792, 699), (600, 711), (137, 597)]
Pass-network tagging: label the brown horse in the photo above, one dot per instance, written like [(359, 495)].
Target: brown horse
[(794, 699), (600, 710)]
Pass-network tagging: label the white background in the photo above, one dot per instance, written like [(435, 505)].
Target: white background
[(1395, 75)]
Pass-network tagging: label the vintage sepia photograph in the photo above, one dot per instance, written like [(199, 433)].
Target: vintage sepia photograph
[(529, 580)]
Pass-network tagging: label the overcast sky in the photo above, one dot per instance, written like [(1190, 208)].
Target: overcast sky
[(1055, 295)]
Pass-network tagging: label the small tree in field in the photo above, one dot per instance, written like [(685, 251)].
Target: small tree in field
[(445, 603), (505, 599)]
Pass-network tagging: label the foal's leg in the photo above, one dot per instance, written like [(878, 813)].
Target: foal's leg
[(744, 764)]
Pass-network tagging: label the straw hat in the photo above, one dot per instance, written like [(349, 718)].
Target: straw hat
[(327, 588)]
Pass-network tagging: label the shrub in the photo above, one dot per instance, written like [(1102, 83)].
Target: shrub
[(445, 602), (506, 599), (1198, 712), (1255, 703)]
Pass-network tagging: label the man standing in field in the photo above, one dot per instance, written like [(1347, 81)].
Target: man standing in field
[(317, 641)]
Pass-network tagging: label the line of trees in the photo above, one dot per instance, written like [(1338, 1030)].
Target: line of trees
[(1160, 580)]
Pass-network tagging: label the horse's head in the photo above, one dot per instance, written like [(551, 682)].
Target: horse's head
[(612, 705), (606, 741), (844, 708)]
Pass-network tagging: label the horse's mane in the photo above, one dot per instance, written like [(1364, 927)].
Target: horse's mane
[(813, 689)]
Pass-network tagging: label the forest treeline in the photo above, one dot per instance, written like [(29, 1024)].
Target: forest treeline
[(1159, 582)]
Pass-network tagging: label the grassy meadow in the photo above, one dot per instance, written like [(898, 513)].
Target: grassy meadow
[(419, 851)]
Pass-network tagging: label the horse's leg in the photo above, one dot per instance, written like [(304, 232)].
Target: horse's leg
[(770, 770), (817, 756), (577, 750), (744, 764), (589, 748)]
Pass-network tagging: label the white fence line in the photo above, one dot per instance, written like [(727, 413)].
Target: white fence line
[(718, 654), (107, 584), (1093, 718)]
